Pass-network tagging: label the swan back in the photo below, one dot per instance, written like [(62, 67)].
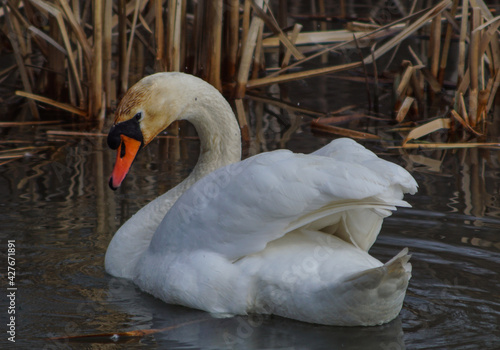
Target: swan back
[(238, 209)]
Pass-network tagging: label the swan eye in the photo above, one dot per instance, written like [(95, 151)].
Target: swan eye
[(138, 116)]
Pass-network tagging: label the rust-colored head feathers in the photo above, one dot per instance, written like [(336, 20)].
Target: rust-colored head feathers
[(137, 95), (155, 101)]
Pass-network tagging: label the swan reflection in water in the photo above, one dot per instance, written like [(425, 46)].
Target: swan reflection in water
[(186, 327)]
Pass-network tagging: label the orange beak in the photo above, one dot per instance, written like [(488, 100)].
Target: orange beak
[(125, 155)]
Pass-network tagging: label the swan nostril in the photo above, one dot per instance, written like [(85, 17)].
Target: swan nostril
[(122, 150)]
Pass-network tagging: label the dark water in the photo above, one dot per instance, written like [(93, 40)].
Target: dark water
[(57, 207)]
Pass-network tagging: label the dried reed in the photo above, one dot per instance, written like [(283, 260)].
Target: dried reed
[(227, 43)]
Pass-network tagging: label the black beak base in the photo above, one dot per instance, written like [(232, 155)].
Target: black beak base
[(130, 128)]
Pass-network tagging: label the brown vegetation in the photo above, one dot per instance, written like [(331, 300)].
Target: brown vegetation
[(81, 57)]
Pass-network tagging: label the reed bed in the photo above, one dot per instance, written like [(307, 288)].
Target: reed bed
[(82, 56)]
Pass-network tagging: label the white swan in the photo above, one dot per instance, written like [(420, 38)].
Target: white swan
[(278, 233)]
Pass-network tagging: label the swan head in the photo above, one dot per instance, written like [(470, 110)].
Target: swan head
[(147, 108)]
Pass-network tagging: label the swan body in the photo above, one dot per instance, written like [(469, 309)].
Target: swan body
[(278, 233)]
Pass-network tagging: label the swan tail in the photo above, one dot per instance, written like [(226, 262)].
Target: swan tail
[(375, 296), (390, 278), (401, 260)]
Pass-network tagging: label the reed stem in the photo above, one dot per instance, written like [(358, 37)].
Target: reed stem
[(247, 52), (96, 83), (474, 65)]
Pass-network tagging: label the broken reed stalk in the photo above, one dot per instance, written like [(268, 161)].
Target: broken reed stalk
[(96, 76), (288, 54), (435, 44), (463, 108), (405, 107), (196, 45), (242, 119), (405, 79), (107, 42), (365, 71), (215, 42), (60, 105), (232, 37), (491, 145), (433, 83), (285, 105), (159, 35), (183, 34), (258, 56), (343, 131), (122, 47), (129, 46), (245, 22), (302, 75), (55, 64), (83, 57), (464, 123), (474, 65), (461, 43), (174, 35), (418, 83), (446, 44), (247, 52), (323, 26), (31, 123)]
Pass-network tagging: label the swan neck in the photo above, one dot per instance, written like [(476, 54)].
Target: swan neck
[(219, 133)]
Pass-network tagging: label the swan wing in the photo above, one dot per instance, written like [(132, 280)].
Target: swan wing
[(368, 221), (351, 151), (238, 209)]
